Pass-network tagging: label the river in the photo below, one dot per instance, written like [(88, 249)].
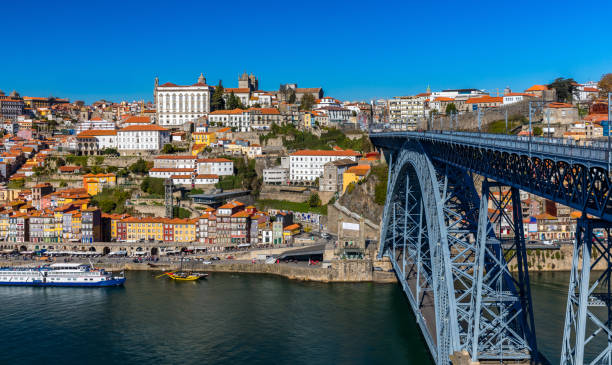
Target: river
[(231, 319)]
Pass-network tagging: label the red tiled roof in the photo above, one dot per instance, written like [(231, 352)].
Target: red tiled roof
[(207, 176), (236, 90), (161, 169), (538, 88), (97, 132), (175, 157), (142, 127), (324, 153), (137, 120), (211, 160)]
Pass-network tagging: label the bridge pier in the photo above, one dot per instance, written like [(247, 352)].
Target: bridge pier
[(584, 331)]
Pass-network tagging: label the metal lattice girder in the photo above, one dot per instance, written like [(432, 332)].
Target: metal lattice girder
[(557, 169), (588, 316), (430, 230)]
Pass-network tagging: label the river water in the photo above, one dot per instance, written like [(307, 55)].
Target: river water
[(231, 319)]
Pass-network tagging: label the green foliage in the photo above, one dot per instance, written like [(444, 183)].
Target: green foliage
[(110, 151), (98, 160), (350, 188), (537, 131), (170, 148), (244, 176), (216, 101), (16, 184), (111, 200), (233, 102), (499, 126), (329, 138), (123, 172), (153, 185), (314, 200), (565, 88), (77, 160), (380, 189), (196, 191), (139, 167), (307, 102), (179, 212), (451, 108), (293, 206), (63, 184)]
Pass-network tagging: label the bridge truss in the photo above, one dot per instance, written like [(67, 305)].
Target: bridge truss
[(442, 238)]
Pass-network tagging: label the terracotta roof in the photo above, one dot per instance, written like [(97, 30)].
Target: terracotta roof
[(538, 88), (180, 177), (142, 127), (485, 99), (308, 90), (443, 98), (590, 89), (207, 176), (559, 105), (359, 170), (236, 90), (97, 132), (519, 94), (211, 160), (291, 227), (137, 120), (233, 111), (265, 110), (324, 153), (69, 168)]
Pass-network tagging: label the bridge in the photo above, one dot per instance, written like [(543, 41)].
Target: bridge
[(440, 233)]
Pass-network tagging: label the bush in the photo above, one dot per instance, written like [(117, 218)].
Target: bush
[(16, 184), (153, 185), (537, 131), (314, 200), (170, 148), (110, 151), (139, 167), (111, 200), (63, 184), (179, 212)]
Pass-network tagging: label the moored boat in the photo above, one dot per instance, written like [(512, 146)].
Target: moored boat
[(61, 274)]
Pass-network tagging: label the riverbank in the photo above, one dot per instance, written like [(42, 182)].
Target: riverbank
[(338, 271)]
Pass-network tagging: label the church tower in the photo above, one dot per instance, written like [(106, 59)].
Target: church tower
[(202, 79), (155, 91)]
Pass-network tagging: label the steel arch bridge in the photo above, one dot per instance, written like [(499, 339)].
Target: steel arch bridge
[(440, 235)]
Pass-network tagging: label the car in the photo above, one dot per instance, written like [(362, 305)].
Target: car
[(376, 268), (216, 258), (207, 262), (230, 257)]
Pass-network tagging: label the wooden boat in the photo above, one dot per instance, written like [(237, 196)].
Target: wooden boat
[(185, 276)]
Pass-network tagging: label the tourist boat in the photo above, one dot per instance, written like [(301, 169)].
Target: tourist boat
[(64, 274)]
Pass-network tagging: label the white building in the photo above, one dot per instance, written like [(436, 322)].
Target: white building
[(142, 137), (179, 104), (165, 173), (237, 118), (104, 138), (406, 111), (215, 166), (175, 161), (181, 179), (206, 179), (95, 124), (276, 175), (307, 165), (511, 98)]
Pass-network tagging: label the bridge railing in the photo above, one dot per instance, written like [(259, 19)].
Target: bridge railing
[(591, 152)]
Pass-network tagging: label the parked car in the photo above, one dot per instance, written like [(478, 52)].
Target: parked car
[(230, 257), (216, 258), (376, 268), (207, 262)]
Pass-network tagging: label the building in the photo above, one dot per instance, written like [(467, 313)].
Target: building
[(142, 137), (12, 106), (353, 175), (175, 162), (91, 225), (179, 104), (95, 183), (215, 166), (307, 165), (331, 180), (91, 142), (276, 176), (560, 113), (205, 179), (406, 111), (511, 98), (205, 139)]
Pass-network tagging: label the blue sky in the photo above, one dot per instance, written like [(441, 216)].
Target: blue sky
[(355, 50)]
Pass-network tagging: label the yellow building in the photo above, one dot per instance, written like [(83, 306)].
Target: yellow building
[(290, 231), (353, 175), (204, 138), (184, 229), (95, 183), (144, 228), (4, 226)]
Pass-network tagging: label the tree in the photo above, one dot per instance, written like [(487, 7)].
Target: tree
[(451, 108), (605, 85), (216, 101), (233, 102), (256, 105), (307, 102), (537, 131), (110, 151), (565, 88), (314, 200), (139, 167)]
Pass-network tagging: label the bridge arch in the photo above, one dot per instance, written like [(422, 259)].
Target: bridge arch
[(447, 259)]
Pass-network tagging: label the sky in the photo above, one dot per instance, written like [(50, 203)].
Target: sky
[(354, 50)]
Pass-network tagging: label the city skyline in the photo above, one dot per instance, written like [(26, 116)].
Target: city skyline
[(360, 55)]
